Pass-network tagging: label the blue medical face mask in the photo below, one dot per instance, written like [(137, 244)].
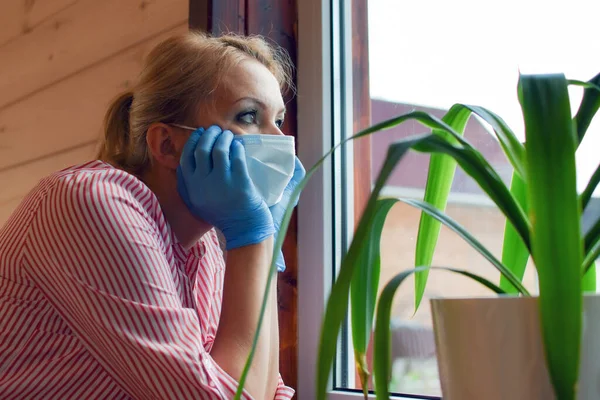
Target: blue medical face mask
[(270, 160)]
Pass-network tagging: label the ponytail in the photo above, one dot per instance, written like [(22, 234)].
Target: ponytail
[(115, 146)]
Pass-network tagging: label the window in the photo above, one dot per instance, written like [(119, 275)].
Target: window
[(423, 55)]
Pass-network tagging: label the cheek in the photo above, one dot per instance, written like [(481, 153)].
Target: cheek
[(238, 129), (235, 127)]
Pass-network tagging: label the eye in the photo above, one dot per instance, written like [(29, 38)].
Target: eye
[(248, 117), (279, 123)]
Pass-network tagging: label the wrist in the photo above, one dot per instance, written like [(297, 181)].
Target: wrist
[(247, 240), (261, 252), (248, 230)]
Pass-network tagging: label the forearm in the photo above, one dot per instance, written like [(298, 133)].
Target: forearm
[(245, 278)]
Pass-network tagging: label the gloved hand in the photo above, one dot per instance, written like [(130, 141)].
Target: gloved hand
[(278, 210), (213, 181)]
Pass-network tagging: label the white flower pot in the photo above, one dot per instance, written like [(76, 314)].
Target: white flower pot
[(491, 348)]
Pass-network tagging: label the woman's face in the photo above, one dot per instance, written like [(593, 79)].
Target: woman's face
[(248, 101)]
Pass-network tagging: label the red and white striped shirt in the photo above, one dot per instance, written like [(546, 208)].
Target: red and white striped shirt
[(98, 300)]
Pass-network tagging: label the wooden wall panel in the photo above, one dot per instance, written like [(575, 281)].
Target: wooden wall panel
[(17, 182), (83, 34), (62, 63), (70, 112), (19, 17), (7, 208), (227, 16)]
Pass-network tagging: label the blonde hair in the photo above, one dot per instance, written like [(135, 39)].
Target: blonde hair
[(179, 74)]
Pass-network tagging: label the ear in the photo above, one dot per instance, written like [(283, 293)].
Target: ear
[(165, 144)]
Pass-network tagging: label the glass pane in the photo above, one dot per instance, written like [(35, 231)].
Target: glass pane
[(427, 55)]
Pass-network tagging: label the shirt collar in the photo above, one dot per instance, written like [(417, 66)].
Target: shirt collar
[(196, 251)]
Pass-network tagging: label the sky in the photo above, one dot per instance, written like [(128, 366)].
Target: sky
[(436, 53)]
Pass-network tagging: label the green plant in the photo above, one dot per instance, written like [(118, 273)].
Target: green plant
[(542, 210)]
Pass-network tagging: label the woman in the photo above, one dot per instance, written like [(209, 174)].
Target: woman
[(112, 281)]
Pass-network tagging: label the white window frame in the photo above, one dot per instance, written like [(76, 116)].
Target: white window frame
[(315, 214), (321, 111)]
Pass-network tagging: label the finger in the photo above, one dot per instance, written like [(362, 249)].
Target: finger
[(220, 153), (203, 152), (299, 174), (299, 171), (280, 262), (187, 161), (239, 168)]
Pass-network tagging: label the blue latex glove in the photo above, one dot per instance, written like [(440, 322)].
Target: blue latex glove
[(278, 210), (213, 181)]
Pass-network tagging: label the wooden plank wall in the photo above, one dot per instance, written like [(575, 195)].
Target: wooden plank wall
[(62, 63)]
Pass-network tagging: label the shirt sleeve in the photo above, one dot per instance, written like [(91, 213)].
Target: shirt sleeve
[(99, 258)]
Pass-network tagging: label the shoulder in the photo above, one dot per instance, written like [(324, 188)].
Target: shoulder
[(98, 190), (98, 183)]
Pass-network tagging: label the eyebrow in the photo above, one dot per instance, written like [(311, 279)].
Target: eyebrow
[(257, 101)]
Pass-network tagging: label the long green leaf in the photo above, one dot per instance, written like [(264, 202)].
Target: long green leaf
[(335, 309), (586, 85), (332, 325), (473, 163), (440, 176), (515, 283), (364, 287), (326, 358), (592, 236), (382, 344), (587, 110), (273, 268), (419, 116), (514, 252), (512, 147), (337, 304), (591, 257), (588, 284), (555, 215), (439, 181), (590, 188), (588, 107), (338, 300)]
